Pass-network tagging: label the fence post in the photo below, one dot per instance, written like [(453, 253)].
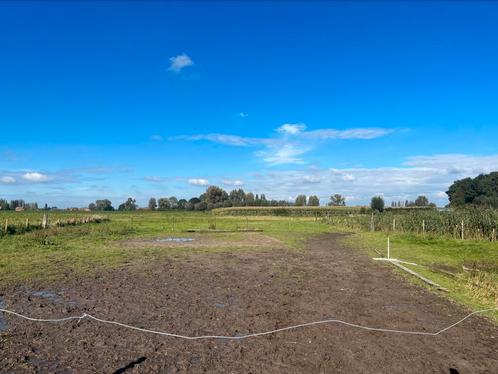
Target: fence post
[(423, 227), (372, 228), (27, 222), (493, 235), (462, 230), (6, 225), (44, 221)]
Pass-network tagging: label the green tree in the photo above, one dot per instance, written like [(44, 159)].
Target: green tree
[(128, 205), (337, 200), (163, 204), (313, 200), (103, 205), (300, 200), (377, 203), (152, 203), (4, 205), (421, 201)]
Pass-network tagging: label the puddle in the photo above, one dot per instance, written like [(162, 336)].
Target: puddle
[(52, 297), (219, 305), (175, 240), (3, 322)]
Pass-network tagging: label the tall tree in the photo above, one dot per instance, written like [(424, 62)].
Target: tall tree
[(129, 204), (313, 200), (337, 200), (163, 204), (104, 205), (152, 203), (421, 201), (377, 203), (300, 200)]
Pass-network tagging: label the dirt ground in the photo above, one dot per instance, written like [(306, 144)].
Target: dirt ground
[(241, 292)]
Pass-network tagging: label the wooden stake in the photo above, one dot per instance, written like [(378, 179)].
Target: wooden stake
[(423, 226), (462, 231), (6, 225)]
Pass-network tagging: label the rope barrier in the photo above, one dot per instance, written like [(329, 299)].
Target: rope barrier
[(251, 335)]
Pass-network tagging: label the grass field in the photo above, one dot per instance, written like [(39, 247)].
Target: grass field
[(58, 251), (47, 254)]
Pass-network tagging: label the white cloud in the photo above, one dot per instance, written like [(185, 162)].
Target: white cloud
[(289, 142), (280, 155), (198, 182), (423, 175), (357, 133), (441, 194), (179, 62), (348, 177), (7, 180), (230, 182), (157, 138), (152, 178), (233, 140), (243, 115), (291, 128), (36, 177)]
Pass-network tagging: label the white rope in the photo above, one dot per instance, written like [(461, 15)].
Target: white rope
[(240, 337)]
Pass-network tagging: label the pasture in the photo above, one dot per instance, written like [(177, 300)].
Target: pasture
[(237, 274)]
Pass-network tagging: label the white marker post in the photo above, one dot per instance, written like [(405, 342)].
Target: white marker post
[(388, 249)]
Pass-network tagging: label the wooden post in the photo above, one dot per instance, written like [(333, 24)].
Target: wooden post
[(493, 235), (372, 228), (462, 230), (423, 227), (44, 221), (388, 248), (6, 225), (27, 222)]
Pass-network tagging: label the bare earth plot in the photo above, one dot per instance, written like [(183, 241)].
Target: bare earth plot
[(240, 292)]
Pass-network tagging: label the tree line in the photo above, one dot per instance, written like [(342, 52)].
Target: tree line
[(215, 197), (20, 205)]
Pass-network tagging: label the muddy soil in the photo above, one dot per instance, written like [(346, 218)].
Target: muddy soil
[(237, 293)]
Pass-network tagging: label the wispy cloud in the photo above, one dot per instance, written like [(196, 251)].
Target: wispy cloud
[(243, 115), (231, 182), (152, 179), (282, 154), (179, 62), (289, 142), (157, 138), (7, 180), (198, 182)]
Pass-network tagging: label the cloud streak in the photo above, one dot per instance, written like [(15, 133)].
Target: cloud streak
[(198, 182), (289, 142)]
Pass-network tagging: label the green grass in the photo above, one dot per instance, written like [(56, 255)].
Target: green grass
[(442, 261), (53, 253)]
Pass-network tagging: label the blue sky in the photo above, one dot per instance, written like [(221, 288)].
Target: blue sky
[(162, 98)]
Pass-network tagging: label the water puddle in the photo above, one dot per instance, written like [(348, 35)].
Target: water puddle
[(3, 322), (219, 305), (174, 240), (52, 297)]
